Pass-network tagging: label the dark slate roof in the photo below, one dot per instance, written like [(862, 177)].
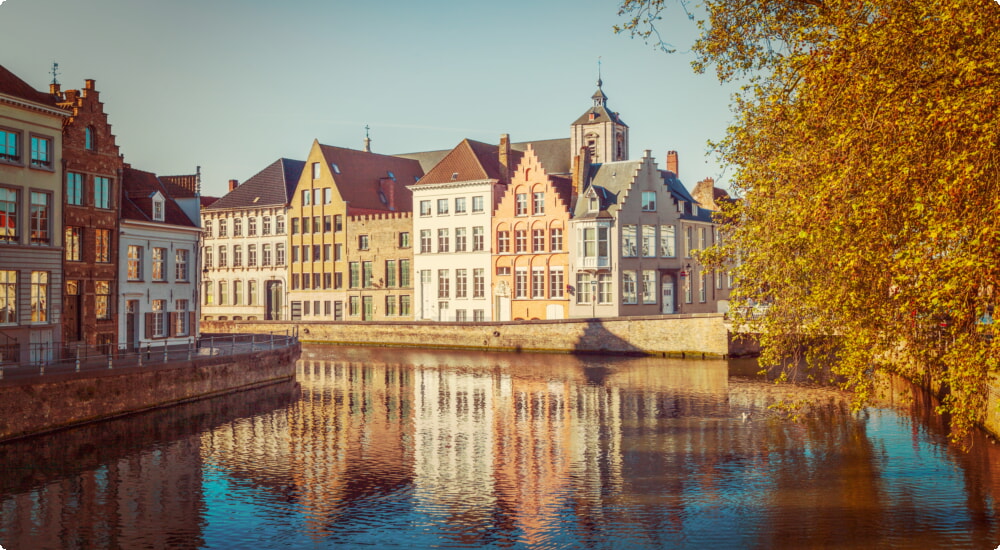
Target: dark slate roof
[(600, 111), (553, 154), (677, 188), (274, 185), (470, 161), (609, 180), (363, 179), (11, 85), (139, 187)]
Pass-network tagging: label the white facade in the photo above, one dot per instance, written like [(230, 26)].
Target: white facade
[(453, 282), (246, 257), (158, 280)]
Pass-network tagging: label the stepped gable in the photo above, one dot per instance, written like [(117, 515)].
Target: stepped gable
[(470, 160), (11, 85), (370, 181), (272, 186), (561, 184), (611, 181), (138, 188)]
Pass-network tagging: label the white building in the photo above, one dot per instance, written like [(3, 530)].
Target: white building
[(452, 208), (158, 262), (245, 272)]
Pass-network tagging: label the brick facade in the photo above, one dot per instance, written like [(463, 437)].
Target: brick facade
[(91, 178)]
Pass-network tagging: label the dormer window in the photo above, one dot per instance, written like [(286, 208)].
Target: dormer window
[(592, 204), (158, 209)]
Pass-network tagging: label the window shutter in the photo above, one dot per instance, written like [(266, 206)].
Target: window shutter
[(172, 331), (192, 319), (149, 325)]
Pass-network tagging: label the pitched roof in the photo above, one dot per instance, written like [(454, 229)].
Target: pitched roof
[(274, 185), (600, 111), (139, 187), (11, 85), (471, 161), (609, 180), (370, 181), (554, 154)]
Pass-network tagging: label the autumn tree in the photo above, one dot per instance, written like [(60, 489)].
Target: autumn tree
[(866, 151)]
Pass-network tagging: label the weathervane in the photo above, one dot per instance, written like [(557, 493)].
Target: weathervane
[(599, 82), (55, 72)]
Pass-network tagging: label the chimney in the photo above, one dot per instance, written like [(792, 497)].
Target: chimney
[(88, 83), (704, 193), (233, 184), (672, 163), (581, 165), (504, 158), (54, 88)]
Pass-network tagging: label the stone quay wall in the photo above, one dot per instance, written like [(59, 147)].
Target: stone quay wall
[(692, 335), (61, 400)]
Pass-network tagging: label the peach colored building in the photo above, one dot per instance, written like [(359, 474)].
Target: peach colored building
[(531, 247)]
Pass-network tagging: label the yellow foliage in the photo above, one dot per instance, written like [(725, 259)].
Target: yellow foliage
[(867, 159)]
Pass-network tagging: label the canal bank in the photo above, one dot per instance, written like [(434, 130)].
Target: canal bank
[(63, 399), (692, 335)]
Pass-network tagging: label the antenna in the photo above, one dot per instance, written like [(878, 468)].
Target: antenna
[(55, 72)]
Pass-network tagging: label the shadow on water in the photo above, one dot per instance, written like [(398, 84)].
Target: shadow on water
[(49, 457)]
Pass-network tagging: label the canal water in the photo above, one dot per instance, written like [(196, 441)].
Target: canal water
[(376, 448)]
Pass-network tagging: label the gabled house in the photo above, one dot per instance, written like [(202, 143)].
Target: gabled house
[(453, 207), (31, 221), (636, 228), (531, 250), (159, 261), (334, 275), (93, 173), (245, 257)]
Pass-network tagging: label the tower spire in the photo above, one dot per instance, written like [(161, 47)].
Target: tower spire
[(599, 81), (368, 140)]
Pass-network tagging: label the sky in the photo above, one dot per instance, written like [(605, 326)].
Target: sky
[(233, 85)]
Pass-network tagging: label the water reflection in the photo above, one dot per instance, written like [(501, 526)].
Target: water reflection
[(391, 448)]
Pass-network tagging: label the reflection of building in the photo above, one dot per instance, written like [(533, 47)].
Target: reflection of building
[(453, 440), (349, 436), (149, 499), (246, 270)]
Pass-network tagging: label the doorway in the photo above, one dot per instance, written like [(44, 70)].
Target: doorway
[(667, 295)]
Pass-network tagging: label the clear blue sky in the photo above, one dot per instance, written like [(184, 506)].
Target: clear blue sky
[(232, 85)]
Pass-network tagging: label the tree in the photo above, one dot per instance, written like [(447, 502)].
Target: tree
[(867, 160)]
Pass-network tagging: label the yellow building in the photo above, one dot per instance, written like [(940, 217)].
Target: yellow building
[(338, 184)]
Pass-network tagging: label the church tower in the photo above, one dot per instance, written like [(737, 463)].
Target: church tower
[(601, 131)]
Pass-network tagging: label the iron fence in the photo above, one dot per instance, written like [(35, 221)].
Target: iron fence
[(31, 360)]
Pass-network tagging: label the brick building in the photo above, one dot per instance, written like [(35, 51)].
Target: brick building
[(92, 174), (380, 272), (531, 251)]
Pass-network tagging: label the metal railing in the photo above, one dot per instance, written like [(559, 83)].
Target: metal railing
[(52, 358)]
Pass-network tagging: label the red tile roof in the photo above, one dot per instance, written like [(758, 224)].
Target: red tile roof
[(139, 187), (10, 84), (364, 181), (470, 161)]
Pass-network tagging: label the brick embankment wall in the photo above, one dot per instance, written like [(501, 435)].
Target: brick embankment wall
[(62, 400), (694, 335)]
